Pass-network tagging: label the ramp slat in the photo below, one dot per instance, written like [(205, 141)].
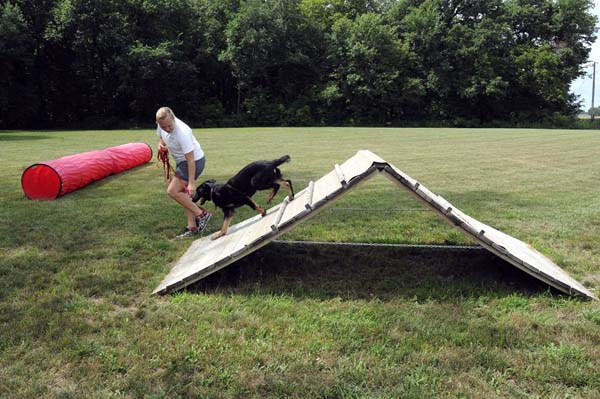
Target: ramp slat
[(309, 195), (296, 207), (340, 175)]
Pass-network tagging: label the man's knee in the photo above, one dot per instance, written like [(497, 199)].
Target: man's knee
[(172, 191)]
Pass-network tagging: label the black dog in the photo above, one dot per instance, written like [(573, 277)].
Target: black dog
[(238, 191)]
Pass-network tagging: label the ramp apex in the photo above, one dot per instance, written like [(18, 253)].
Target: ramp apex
[(371, 155)]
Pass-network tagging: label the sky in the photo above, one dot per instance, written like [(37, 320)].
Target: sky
[(583, 86)]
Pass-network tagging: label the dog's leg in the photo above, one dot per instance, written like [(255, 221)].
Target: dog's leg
[(287, 184), (226, 220), (252, 204), (273, 193), (290, 189)]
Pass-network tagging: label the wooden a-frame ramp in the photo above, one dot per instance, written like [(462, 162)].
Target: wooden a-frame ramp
[(206, 256)]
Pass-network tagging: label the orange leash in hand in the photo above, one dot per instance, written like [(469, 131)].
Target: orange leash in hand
[(168, 171), (163, 156)]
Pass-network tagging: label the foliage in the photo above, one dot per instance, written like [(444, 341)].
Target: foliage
[(18, 99), (94, 63)]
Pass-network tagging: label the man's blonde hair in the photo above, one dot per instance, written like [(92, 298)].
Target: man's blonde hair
[(163, 113)]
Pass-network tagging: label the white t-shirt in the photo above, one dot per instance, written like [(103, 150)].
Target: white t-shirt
[(180, 141)]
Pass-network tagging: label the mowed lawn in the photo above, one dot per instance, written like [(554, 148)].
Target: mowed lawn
[(77, 319)]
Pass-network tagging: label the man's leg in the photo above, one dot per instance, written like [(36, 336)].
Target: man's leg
[(176, 190)]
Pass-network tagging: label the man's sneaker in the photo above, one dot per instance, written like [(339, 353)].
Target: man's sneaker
[(202, 220), (187, 233)]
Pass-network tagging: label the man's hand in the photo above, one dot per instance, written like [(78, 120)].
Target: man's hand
[(191, 189), (191, 164)]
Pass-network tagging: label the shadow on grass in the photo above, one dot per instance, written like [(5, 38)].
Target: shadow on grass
[(384, 273), (21, 137)]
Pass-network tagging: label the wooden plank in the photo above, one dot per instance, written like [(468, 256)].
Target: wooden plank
[(326, 186)]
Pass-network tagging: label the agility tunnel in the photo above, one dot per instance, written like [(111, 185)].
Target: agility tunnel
[(53, 179), (206, 256)]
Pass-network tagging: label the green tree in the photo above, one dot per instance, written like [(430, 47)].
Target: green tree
[(274, 53), (224, 86), (89, 38), (96, 63), (367, 64), (327, 12), (18, 97), (552, 43), (496, 60), (35, 16)]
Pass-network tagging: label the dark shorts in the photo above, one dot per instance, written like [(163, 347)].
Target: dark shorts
[(182, 169)]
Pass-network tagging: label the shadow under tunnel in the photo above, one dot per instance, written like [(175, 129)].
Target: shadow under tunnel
[(324, 271)]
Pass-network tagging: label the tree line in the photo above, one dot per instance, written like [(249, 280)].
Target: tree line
[(112, 63)]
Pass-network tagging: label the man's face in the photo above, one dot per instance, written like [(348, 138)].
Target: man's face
[(167, 124)]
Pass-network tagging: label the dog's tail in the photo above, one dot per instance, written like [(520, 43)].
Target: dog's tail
[(283, 159)]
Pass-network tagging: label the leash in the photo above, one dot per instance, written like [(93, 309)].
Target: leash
[(163, 156), (168, 171)]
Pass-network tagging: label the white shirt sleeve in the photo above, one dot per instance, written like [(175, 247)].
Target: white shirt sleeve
[(186, 140)]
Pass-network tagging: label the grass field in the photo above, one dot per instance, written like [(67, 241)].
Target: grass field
[(77, 319)]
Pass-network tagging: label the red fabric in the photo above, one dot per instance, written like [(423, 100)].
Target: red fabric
[(130, 155), (52, 179)]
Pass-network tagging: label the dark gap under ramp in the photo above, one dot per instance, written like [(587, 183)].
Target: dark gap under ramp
[(206, 256), (312, 270)]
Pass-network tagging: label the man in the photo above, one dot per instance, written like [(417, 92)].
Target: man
[(178, 138)]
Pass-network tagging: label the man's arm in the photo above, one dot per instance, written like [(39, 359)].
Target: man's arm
[(189, 157)]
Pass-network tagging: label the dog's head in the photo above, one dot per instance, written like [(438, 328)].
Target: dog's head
[(203, 191)]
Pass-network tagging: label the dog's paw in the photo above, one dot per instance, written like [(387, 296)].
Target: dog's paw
[(216, 235), (262, 212)]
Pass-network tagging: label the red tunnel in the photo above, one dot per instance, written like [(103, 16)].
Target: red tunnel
[(52, 179)]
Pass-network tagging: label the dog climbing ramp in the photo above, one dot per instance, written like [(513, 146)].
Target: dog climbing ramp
[(206, 256)]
